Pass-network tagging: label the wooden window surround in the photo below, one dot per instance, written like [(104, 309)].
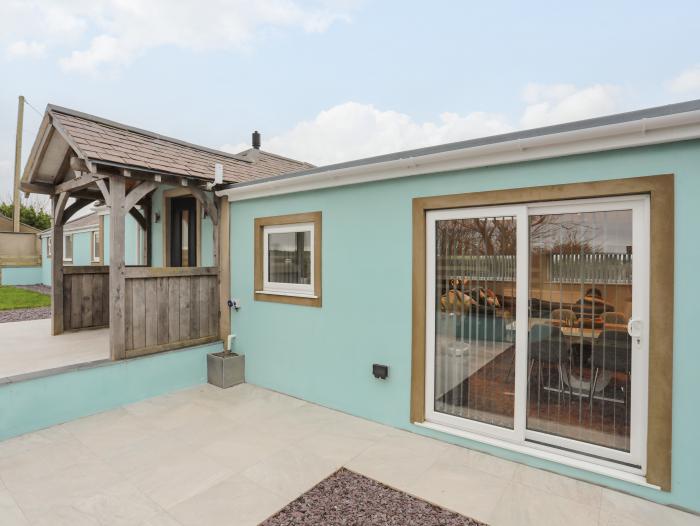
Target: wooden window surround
[(260, 224), (101, 233), (660, 188), (68, 242), (167, 196), (95, 255)]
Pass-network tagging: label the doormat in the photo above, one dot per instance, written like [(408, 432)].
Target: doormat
[(348, 499)]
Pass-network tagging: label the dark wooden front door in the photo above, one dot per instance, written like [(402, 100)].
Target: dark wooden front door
[(183, 232)]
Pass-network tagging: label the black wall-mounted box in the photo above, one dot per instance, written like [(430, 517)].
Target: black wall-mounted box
[(380, 371)]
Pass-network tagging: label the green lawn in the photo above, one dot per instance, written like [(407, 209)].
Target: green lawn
[(15, 298)]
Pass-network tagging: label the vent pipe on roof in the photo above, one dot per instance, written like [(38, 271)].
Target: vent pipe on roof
[(256, 139)]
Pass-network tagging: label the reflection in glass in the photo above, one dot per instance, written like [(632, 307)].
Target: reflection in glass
[(289, 257), (579, 352), (474, 319)]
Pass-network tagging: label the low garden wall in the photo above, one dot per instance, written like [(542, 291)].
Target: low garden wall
[(38, 400), (20, 275)]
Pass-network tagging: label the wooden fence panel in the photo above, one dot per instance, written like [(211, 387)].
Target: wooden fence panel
[(168, 310)]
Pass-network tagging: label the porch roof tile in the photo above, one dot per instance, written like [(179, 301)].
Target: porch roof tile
[(102, 140)]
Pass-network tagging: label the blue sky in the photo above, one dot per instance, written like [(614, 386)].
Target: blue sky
[(326, 81)]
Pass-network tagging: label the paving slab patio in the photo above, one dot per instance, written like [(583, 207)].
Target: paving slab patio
[(29, 347), (206, 456)]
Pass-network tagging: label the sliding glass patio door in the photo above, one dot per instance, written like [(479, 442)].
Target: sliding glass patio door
[(536, 325)]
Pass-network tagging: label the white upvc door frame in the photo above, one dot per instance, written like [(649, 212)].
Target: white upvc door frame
[(519, 212), (633, 461)]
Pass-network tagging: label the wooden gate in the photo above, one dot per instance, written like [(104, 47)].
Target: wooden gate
[(85, 297)]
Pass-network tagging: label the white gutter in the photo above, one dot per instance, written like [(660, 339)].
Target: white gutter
[(641, 132)]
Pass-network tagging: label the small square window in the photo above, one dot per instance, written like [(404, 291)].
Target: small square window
[(68, 247), (96, 247), (288, 259)]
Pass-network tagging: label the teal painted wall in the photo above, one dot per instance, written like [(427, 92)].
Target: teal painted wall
[(34, 404), (20, 275), (325, 354), (81, 248), (130, 240)]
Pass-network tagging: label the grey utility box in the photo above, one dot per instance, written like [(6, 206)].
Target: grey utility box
[(225, 369)]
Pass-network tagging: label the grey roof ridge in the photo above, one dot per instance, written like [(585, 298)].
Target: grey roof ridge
[(278, 156), (616, 118), (87, 116)]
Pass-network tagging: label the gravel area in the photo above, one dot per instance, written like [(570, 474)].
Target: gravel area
[(38, 313), (348, 499)]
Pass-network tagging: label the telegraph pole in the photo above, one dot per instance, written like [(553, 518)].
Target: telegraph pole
[(18, 163)]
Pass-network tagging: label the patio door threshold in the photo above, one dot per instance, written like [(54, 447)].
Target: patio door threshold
[(543, 452)]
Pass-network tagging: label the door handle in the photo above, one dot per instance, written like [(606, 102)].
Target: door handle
[(635, 329)]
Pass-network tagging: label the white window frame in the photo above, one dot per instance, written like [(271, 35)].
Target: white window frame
[(48, 247), (95, 234), (520, 438), (288, 289), (65, 252)]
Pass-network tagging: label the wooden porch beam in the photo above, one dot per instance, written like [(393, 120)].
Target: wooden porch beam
[(59, 207), (57, 268), (147, 212), (117, 286), (138, 193), (78, 183), (73, 208), (37, 188), (140, 219), (207, 203), (79, 165), (104, 191), (223, 254)]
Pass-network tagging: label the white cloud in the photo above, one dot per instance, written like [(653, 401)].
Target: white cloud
[(24, 49), (557, 103), (687, 81), (114, 32), (353, 130)]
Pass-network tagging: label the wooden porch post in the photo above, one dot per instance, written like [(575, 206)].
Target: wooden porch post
[(222, 251), (117, 214), (56, 269), (147, 212)]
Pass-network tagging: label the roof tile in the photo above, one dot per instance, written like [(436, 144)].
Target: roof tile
[(102, 140)]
